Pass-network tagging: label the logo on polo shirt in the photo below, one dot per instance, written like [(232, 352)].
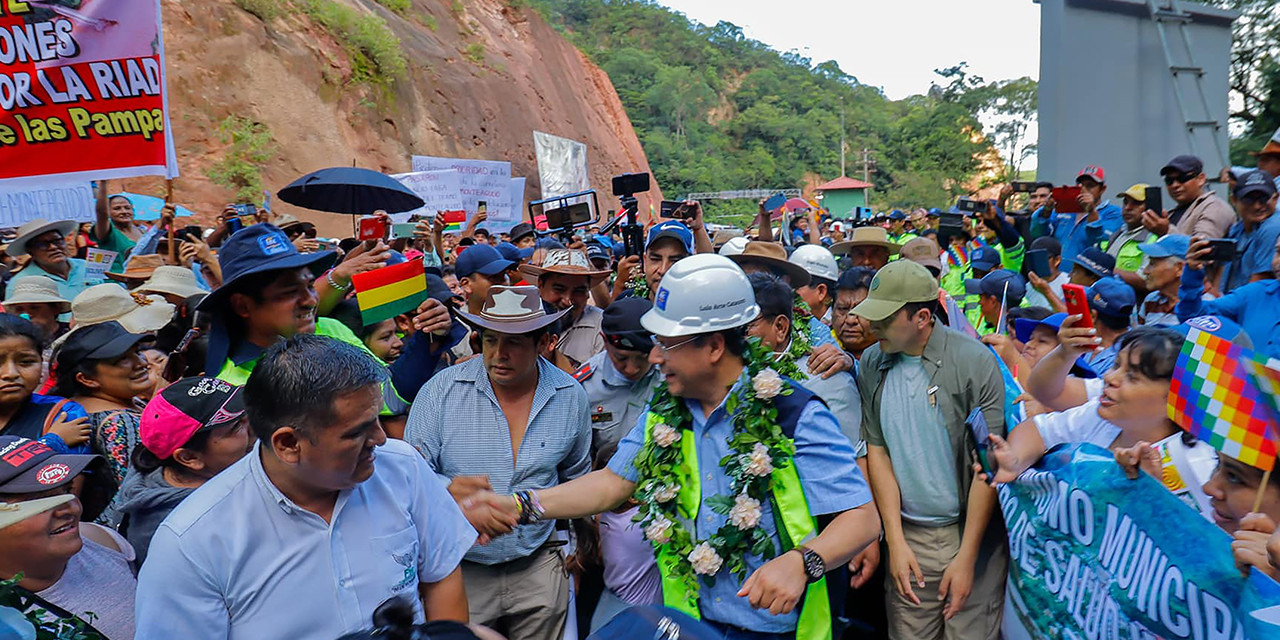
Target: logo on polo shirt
[(272, 244), (1207, 323), (53, 474)]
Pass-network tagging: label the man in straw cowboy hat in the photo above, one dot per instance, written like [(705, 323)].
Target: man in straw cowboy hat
[(564, 281), (867, 247), (471, 420), (46, 243)]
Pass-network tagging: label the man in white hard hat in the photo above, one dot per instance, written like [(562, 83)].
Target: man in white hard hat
[(701, 309), (820, 264)]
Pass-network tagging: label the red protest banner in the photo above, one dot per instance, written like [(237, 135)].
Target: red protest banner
[(82, 92)]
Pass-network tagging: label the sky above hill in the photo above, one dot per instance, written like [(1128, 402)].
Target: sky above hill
[(892, 45)]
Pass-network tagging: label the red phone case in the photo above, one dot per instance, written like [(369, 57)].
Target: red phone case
[(454, 217), (373, 228), (1065, 199), (1077, 302)]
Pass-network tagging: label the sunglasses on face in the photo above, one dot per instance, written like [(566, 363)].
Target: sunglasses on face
[(41, 245), (1179, 179)]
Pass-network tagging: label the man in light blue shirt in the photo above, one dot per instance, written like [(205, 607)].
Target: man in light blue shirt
[(46, 243), (1076, 231), (306, 536), (508, 421), (1255, 233)]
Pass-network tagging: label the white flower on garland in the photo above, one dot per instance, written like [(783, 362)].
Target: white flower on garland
[(658, 530), (745, 513), (705, 560), (767, 384), (665, 435), (667, 493), (758, 463)]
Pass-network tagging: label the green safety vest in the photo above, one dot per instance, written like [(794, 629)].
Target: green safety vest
[(330, 328), (789, 506)]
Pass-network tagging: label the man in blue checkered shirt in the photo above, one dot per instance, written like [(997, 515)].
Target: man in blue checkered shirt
[(506, 422)]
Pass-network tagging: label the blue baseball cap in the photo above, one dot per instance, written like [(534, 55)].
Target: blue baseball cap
[(513, 253), (995, 283), (934, 212), (897, 214), (1096, 261), (481, 258), (671, 229), (984, 258), (595, 251), (1172, 245), (1111, 296), (1255, 182), (1022, 327), (257, 249), (1218, 326)]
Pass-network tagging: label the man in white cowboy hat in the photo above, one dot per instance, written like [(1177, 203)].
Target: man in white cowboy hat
[(46, 243), (36, 298), (564, 281), (174, 283), (686, 457), (471, 420), (867, 247)]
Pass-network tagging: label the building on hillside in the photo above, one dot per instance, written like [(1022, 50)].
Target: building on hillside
[(842, 195)]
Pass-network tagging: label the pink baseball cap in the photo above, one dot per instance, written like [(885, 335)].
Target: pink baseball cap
[(185, 408), (1093, 171)]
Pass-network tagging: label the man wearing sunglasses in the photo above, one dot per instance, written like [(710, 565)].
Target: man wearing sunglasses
[(1199, 211), (46, 243)]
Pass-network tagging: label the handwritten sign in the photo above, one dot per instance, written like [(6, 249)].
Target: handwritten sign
[(49, 201), (440, 190), (478, 180)]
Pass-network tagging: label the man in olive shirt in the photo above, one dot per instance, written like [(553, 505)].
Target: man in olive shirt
[(920, 385)]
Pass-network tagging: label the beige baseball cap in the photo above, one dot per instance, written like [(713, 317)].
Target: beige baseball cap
[(898, 283), (923, 251)]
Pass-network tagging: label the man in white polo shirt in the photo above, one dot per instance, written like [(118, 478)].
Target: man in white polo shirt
[(306, 536)]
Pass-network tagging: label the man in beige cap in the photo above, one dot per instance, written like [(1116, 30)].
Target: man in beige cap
[(920, 385), (867, 247), (564, 280), (36, 298), (46, 243)]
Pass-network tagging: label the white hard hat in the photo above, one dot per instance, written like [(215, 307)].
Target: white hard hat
[(734, 246), (700, 294), (817, 260)]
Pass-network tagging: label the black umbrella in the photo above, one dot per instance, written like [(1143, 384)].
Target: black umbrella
[(350, 190)]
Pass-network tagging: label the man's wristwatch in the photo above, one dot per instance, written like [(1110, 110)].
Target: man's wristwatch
[(814, 566)]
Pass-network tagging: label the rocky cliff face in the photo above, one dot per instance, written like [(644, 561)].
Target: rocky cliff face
[(481, 77)]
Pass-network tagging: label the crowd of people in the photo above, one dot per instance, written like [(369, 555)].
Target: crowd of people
[(767, 428)]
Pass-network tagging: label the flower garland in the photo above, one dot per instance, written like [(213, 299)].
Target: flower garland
[(638, 284), (757, 447)]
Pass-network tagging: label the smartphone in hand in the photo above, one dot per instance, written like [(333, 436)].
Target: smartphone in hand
[(774, 202), (1221, 250), (1038, 261), (1077, 301), (1065, 199), (373, 228), (1154, 200), (977, 423)]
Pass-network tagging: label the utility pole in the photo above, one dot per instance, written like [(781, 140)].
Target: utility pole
[(867, 164), (842, 136)]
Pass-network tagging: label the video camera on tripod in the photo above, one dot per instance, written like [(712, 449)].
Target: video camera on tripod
[(626, 186)]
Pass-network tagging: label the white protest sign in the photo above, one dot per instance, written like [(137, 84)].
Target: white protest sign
[(485, 181), (440, 190), (51, 201), (96, 262)]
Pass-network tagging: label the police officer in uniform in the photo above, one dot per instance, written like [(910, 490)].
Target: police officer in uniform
[(619, 379)]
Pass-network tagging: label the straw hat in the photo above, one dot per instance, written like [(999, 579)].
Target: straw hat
[(178, 281), (139, 267), (135, 312), (867, 237), (569, 262), (35, 290), (773, 257), (513, 311), (30, 230)]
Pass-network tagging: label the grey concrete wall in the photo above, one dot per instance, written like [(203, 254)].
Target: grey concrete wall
[(1107, 96)]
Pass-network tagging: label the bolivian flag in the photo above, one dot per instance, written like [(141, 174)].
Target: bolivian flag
[(390, 291)]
